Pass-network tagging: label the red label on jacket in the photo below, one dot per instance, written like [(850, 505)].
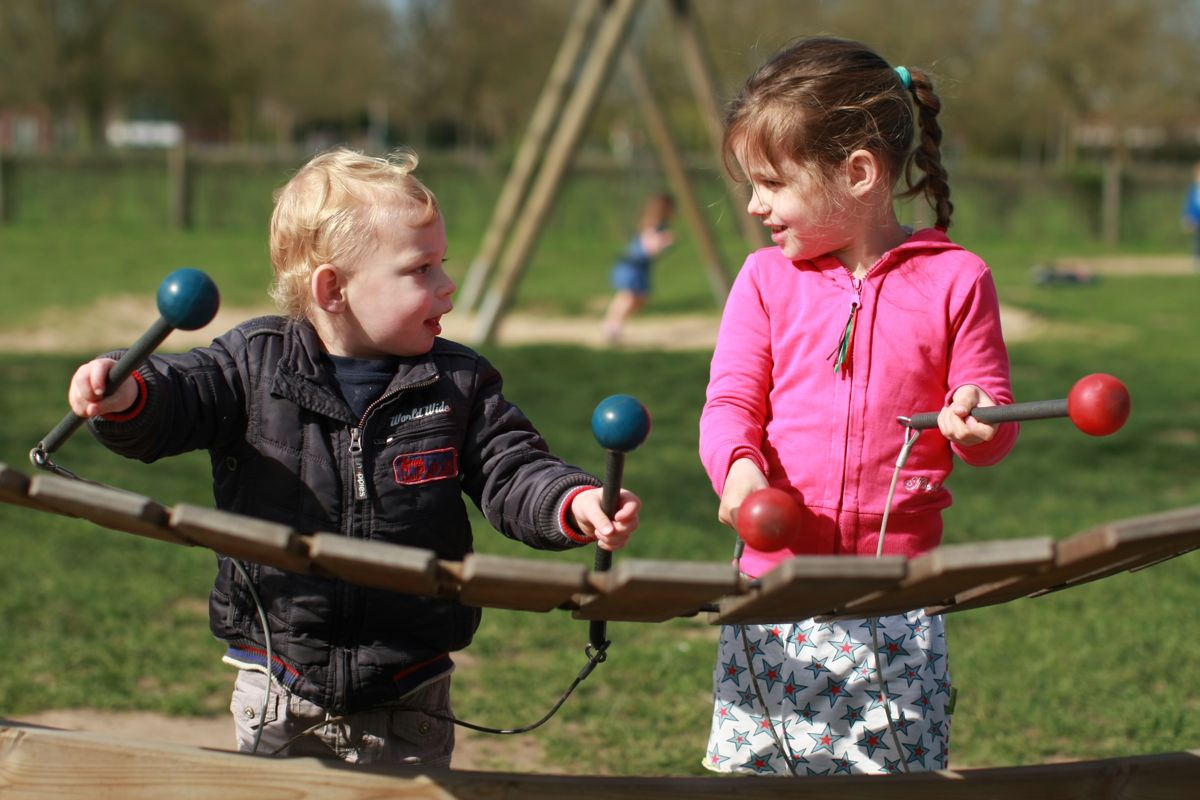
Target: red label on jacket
[(431, 465)]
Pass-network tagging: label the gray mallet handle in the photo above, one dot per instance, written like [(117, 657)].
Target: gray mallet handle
[(1014, 412), (124, 367)]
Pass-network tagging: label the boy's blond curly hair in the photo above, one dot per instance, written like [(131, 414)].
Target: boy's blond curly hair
[(334, 210)]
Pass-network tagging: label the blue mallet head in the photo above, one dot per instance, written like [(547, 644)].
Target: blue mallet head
[(620, 423), (188, 299)]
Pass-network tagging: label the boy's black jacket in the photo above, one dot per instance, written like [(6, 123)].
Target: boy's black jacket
[(261, 400)]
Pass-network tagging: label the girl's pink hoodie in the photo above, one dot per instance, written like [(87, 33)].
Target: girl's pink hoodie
[(924, 322)]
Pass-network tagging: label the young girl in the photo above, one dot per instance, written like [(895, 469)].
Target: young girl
[(848, 322), (631, 272)]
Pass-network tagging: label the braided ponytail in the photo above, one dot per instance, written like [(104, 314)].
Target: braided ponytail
[(927, 156)]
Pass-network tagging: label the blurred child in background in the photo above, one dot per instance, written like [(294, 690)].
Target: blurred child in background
[(1191, 216), (631, 272)]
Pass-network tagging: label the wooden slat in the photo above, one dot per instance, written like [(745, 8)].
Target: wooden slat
[(936, 577), (14, 488), (105, 505), (653, 591), (1095, 553), (241, 537), (385, 566), (806, 586), (519, 583), (1135, 543)]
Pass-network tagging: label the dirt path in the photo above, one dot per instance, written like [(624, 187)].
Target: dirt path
[(120, 321)]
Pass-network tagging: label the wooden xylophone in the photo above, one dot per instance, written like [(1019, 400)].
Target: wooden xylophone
[(946, 579)]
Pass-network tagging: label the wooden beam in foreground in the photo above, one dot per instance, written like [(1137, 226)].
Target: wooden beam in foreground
[(41, 762)]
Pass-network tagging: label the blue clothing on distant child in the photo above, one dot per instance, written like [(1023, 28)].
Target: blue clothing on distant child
[(1191, 216), (632, 270)]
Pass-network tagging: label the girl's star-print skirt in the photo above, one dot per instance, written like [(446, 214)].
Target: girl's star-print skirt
[(807, 700)]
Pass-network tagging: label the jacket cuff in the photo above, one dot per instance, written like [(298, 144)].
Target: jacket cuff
[(138, 404), (555, 504), (565, 524)]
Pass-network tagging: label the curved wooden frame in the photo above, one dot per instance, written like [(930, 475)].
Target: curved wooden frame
[(946, 579)]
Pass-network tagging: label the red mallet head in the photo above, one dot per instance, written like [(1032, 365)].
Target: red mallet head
[(768, 519), (1098, 404)]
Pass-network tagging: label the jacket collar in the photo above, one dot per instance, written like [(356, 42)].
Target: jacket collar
[(929, 240), (303, 376)]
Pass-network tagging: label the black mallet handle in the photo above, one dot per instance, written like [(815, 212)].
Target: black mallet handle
[(187, 300), (130, 361), (620, 424), (614, 469), (1014, 412)]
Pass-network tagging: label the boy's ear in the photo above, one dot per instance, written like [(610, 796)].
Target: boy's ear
[(327, 290), (863, 172)]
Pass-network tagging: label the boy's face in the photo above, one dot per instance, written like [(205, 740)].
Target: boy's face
[(397, 294)]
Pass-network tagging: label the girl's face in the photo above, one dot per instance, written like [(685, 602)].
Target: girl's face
[(396, 295), (798, 205)]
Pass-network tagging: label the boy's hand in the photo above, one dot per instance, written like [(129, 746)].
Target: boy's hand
[(744, 477), (955, 420), (588, 511), (86, 397)]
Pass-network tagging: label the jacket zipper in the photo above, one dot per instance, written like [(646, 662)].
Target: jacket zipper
[(845, 344), (844, 352), (342, 665), (356, 438)]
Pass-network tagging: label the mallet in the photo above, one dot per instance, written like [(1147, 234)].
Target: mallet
[(620, 424), (1098, 404), (768, 520), (187, 299)]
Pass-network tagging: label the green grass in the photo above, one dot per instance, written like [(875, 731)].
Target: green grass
[(102, 619)]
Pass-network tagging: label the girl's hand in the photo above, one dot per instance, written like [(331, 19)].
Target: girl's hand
[(85, 394), (610, 534), (744, 477), (955, 420)]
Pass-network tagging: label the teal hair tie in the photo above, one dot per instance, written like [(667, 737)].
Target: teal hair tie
[(905, 77)]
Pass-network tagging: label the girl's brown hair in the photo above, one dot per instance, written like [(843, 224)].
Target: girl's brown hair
[(822, 98)]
